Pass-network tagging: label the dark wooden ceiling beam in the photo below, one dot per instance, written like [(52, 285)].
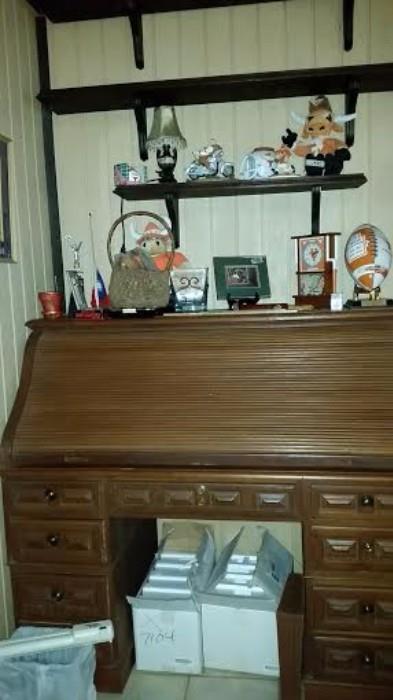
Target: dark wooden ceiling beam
[(218, 89), (80, 10)]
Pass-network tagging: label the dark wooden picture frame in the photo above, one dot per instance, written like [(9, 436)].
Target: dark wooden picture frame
[(241, 276), (5, 224)]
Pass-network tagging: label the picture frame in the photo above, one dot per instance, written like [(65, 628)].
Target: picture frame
[(5, 219), (241, 277)]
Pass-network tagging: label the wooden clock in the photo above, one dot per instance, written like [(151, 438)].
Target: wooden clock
[(316, 269)]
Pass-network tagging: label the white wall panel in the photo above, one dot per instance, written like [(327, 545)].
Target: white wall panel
[(276, 36), (20, 120)]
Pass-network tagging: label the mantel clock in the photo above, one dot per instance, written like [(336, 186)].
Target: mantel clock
[(316, 269)]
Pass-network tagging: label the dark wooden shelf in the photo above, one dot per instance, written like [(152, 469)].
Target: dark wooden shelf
[(231, 188), (223, 88), (79, 10), (171, 192)]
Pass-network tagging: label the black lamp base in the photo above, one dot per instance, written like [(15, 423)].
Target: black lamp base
[(166, 160)]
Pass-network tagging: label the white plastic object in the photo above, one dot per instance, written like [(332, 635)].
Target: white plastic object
[(86, 634)]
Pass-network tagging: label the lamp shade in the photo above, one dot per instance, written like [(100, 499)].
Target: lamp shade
[(165, 129)]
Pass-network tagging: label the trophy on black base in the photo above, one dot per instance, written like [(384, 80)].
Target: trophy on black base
[(76, 283)]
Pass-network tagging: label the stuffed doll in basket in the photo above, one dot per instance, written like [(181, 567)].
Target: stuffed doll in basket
[(153, 251), (156, 244), (319, 141)]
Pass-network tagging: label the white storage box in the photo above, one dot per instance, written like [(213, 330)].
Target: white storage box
[(239, 625), (240, 635), (167, 620), (167, 635)]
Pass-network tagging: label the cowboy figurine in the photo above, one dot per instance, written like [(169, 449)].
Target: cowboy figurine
[(318, 141)]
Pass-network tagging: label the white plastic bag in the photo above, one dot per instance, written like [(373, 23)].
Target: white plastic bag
[(66, 674)]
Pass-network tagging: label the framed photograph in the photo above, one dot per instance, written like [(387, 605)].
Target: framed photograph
[(77, 289), (5, 226), (241, 277)]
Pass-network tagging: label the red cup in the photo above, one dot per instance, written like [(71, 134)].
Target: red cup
[(51, 303)]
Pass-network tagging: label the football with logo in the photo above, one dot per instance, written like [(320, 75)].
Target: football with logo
[(368, 256)]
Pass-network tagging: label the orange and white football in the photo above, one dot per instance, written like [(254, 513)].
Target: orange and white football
[(368, 256)]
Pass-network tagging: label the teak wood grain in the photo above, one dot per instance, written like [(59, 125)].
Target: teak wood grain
[(230, 416), (208, 391)]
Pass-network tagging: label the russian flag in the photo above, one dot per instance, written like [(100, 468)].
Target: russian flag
[(99, 295)]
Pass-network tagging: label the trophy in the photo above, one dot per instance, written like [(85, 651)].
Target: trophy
[(368, 258), (75, 279)]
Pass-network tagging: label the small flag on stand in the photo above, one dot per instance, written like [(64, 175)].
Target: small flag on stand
[(99, 295)]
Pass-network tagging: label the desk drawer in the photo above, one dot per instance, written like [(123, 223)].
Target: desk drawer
[(58, 598), (349, 549), (336, 690), (262, 500), (359, 610), (353, 502), (52, 498), (346, 659), (79, 542)]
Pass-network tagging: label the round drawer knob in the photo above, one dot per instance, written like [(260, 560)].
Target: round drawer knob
[(53, 540), (367, 659), (368, 546), (50, 495), (57, 596), (367, 608), (367, 501)]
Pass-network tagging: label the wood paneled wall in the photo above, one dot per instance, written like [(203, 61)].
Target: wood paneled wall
[(276, 36), (20, 121)]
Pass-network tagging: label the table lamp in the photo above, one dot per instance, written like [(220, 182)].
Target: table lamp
[(165, 138)]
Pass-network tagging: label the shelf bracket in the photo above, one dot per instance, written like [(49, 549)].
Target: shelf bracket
[(348, 12), (351, 99), (315, 211), (135, 18), (141, 123), (172, 206)]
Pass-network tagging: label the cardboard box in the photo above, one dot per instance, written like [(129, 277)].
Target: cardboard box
[(167, 620), (240, 635), (239, 606), (167, 635)]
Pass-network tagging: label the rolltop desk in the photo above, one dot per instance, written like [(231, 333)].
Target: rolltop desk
[(233, 416)]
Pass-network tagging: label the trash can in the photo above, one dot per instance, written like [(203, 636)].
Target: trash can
[(59, 674)]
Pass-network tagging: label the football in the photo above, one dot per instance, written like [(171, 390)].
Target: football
[(368, 256)]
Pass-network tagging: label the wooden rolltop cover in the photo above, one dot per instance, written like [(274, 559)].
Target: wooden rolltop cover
[(310, 390)]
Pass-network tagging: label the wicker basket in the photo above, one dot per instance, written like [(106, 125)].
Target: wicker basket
[(138, 289)]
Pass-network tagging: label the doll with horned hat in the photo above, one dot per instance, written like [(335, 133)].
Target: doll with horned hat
[(319, 141), (156, 244)]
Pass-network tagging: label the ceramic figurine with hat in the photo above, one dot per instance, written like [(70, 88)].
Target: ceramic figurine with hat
[(320, 140)]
